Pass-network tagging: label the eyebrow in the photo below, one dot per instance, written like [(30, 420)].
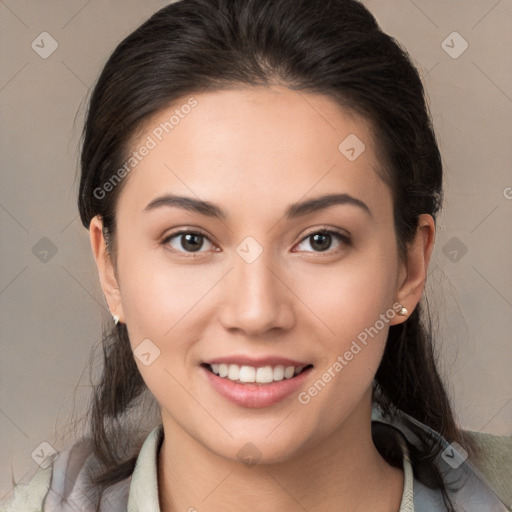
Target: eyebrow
[(292, 212)]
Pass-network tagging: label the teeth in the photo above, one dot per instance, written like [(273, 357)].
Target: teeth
[(223, 370), (233, 372), (279, 372), (247, 374), (289, 372), (262, 375)]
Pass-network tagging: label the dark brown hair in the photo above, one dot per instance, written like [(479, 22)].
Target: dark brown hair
[(332, 47)]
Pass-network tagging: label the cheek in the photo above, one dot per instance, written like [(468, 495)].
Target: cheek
[(157, 295), (353, 304), (160, 311), (350, 296), (355, 310)]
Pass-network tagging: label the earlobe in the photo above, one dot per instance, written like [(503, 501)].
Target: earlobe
[(106, 269), (416, 267)]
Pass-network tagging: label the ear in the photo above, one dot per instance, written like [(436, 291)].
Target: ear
[(106, 268), (413, 273)]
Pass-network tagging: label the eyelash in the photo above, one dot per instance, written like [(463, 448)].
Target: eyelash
[(343, 238)]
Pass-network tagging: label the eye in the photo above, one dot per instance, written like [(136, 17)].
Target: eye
[(321, 240), (186, 241), (192, 241)]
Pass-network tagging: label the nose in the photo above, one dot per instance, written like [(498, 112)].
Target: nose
[(258, 299)]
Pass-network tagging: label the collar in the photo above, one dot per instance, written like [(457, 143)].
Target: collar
[(143, 495)]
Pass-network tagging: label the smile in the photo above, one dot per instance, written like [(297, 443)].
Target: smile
[(258, 386), (252, 374)]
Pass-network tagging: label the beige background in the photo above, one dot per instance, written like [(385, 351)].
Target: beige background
[(52, 310)]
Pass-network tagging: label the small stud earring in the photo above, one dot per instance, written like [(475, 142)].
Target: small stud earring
[(403, 311), (116, 319)]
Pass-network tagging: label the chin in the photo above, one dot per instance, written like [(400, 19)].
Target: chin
[(251, 446)]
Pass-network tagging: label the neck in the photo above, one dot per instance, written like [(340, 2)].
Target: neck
[(342, 472)]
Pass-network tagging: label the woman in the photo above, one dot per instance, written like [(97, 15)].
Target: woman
[(260, 180)]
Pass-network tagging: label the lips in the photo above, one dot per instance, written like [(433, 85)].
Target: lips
[(256, 383)]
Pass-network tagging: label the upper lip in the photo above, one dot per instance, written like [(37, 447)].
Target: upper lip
[(257, 362)]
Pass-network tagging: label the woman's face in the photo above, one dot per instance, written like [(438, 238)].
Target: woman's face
[(272, 278)]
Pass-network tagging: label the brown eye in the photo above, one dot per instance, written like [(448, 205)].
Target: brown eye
[(186, 241), (322, 241)]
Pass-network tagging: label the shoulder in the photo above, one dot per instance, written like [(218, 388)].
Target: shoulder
[(494, 462), (479, 482), (29, 497), (65, 486)]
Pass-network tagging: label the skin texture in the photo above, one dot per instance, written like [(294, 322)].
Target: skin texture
[(254, 151)]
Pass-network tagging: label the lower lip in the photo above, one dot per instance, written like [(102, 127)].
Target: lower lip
[(255, 395)]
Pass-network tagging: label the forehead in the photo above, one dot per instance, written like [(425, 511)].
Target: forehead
[(272, 144)]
